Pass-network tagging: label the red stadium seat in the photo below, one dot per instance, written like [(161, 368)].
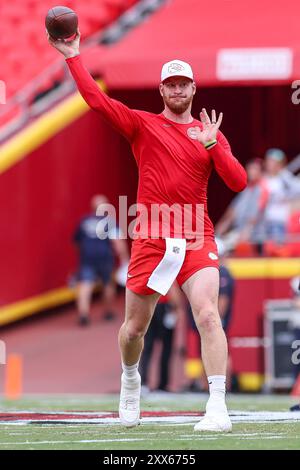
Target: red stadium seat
[(244, 249), (20, 65), (293, 233), (292, 245), (293, 226)]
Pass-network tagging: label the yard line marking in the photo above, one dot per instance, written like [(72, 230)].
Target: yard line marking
[(148, 418), (95, 441), (265, 434), (83, 441)]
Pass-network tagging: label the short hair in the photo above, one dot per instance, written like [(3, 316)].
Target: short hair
[(256, 161), (276, 154)]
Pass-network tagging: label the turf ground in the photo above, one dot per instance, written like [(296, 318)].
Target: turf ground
[(260, 422)]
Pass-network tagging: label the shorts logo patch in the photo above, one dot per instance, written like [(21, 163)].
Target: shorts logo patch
[(176, 249), (212, 255)]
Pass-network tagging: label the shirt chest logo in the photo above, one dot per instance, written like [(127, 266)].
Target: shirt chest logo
[(192, 133)]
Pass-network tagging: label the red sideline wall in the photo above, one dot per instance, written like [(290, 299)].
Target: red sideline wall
[(248, 321), (43, 197)]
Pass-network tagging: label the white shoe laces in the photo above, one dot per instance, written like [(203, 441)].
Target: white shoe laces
[(130, 396), (130, 404)]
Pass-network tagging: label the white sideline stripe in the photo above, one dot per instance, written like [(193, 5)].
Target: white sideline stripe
[(240, 436), (72, 413), (196, 437), (84, 441), (236, 417), (257, 438), (250, 434)]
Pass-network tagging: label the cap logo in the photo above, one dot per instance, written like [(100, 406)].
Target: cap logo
[(174, 68)]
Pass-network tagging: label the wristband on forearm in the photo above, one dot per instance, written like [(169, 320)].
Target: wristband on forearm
[(210, 144)]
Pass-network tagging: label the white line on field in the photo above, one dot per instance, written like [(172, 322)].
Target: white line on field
[(83, 441), (199, 436), (240, 436), (98, 441)]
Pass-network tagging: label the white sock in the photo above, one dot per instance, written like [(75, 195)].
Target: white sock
[(130, 372), (217, 385)]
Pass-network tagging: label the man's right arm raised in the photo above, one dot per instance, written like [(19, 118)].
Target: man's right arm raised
[(122, 118)]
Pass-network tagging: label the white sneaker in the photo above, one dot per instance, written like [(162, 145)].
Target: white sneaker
[(214, 422), (129, 407)]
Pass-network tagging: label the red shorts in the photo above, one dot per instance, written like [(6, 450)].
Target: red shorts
[(147, 253)]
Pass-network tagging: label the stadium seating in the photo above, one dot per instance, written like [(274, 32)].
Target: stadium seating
[(23, 44), (291, 247)]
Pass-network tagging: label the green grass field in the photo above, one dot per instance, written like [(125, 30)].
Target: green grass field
[(164, 436)]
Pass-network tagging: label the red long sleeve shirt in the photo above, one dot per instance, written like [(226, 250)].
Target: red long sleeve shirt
[(173, 168)]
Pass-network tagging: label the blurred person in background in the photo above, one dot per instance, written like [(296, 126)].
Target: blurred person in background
[(161, 329), (295, 285), (97, 260), (283, 189), (193, 366), (243, 219)]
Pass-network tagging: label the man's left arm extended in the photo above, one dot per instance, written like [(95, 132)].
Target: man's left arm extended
[(227, 166)]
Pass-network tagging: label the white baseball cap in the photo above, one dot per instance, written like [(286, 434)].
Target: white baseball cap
[(176, 68)]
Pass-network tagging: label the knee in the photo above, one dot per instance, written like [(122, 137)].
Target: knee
[(134, 332), (208, 319)]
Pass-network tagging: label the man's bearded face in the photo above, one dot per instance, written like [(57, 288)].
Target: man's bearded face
[(177, 93)]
